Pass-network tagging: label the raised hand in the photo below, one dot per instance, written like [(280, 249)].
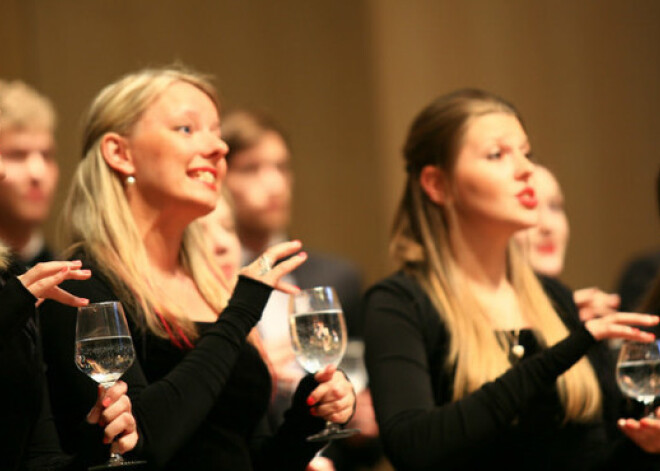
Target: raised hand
[(268, 271), (43, 279), (622, 325), (593, 302)]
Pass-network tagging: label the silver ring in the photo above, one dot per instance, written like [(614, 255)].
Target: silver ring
[(265, 265)]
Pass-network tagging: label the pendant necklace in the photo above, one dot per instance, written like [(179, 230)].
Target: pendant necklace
[(517, 351)]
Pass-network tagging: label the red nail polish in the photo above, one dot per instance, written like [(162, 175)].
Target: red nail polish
[(310, 401)]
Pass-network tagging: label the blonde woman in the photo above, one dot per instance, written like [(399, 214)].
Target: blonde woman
[(153, 162), (28, 439), (492, 358)]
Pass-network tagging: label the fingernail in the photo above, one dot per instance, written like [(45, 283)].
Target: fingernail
[(303, 254), (310, 401), (106, 402), (313, 411)]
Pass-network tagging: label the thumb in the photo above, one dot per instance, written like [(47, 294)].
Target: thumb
[(95, 414), (325, 374)]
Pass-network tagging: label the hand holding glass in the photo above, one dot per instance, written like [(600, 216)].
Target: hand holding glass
[(104, 350), (638, 372), (318, 335)]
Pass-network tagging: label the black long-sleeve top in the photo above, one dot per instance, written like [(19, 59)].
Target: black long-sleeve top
[(513, 422), (201, 409)]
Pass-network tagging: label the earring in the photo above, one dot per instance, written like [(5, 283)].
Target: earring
[(130, 180)]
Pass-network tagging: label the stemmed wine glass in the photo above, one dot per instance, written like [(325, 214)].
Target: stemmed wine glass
[(104, 351), (318, 335), (638, 372)]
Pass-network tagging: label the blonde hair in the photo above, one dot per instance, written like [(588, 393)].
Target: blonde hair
[(24, 108), (420, 245), (97, 220), (4, 256)]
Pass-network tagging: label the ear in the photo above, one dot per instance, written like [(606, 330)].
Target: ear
[(434, 184), (116, 153)]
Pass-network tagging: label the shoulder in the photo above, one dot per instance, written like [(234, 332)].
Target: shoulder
[(399, 283), (561, 297), (400, 291)]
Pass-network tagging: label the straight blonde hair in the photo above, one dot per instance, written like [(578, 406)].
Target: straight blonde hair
[(420, 245), (96, 218), (4, 256)]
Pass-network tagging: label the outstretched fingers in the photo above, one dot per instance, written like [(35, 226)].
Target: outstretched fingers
[(623, 325), (43, 279), (267, 269)]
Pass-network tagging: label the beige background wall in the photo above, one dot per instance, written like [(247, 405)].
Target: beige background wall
[(346, 78)]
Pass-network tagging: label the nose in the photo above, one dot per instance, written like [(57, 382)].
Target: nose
[(214, 147), (274, 179), (36, 165), (524, 166)]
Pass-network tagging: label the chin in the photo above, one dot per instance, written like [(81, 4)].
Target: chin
[(552, 269)]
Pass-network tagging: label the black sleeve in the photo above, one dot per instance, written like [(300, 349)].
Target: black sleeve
[(419, 433), (169, 410), (16, 307), (287, 449)]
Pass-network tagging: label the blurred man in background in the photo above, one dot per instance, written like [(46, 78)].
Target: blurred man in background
[(260, 180), (27, 144)]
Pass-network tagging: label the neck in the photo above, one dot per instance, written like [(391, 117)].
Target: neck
[(481, 255), (162, 237)]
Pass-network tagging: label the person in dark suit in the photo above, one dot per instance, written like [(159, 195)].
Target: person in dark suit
[(27, 142), (260, 180)]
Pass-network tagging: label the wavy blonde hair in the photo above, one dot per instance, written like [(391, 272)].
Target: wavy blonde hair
[(96, 217), (420, 245)]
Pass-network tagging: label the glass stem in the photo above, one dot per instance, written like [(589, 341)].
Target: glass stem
[(648, 407)]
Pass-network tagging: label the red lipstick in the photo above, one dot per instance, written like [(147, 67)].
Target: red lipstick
[(527, 198)]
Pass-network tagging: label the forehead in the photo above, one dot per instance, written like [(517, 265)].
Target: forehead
[(494, 127), (182, 98), (26, 139), (270, 148)]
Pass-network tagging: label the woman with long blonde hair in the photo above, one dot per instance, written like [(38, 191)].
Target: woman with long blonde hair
[(153, 162), (492, 357)]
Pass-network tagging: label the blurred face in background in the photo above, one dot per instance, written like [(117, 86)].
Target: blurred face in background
[(545, 244), (220, 232), (260, 181), (26, 194)]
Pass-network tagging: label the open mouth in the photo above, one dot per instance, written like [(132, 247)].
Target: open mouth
[(204, 176)]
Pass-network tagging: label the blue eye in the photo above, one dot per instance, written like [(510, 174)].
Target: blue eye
[(184, 129)]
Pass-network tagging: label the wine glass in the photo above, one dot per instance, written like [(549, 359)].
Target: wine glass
[(318, 336), (638, 372), (104, 351)]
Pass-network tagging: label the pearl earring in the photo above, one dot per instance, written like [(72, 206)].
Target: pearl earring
[(130, 180)]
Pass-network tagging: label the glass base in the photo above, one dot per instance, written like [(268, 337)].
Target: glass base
[(119, 464), (329, 434)]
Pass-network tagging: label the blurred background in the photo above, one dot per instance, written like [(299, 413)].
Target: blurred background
[(346, 77)]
